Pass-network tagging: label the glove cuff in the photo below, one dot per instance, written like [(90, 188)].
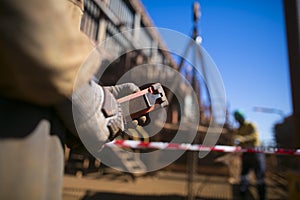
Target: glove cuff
[(89, 121)]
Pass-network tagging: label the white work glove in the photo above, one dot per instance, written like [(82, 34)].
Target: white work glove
[(96, 109), (97, 117), (112, 112), (125, 89), (122, 90)]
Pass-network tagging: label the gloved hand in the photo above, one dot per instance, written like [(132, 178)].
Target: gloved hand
[(92, 117), (123, 90), (238, 140), (105, 102)]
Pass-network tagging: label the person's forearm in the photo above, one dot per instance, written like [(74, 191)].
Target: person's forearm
[(250, 138)]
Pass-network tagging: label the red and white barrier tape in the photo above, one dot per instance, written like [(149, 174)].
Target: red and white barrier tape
[(196, 147)]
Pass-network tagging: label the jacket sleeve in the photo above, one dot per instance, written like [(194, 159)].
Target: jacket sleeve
[(41, 51), (253, 135), (249, 136)]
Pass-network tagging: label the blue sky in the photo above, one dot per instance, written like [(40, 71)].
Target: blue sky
[(247, 41)]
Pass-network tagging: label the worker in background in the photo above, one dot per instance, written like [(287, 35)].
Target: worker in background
[(246, 136), (41, 51)]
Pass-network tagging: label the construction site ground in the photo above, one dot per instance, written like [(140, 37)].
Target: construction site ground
[(170, 183)]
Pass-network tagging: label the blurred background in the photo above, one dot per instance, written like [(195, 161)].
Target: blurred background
[(254, 44), (247, 41)]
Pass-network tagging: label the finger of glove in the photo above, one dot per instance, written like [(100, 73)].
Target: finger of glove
[(126, 89), (123, 89), (112, 110), (141, 121), (144, 120), (132, 124)]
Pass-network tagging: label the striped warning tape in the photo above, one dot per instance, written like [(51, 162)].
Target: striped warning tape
[(196, 147)]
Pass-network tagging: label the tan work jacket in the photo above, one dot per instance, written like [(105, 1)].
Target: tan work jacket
[(41, 49)]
